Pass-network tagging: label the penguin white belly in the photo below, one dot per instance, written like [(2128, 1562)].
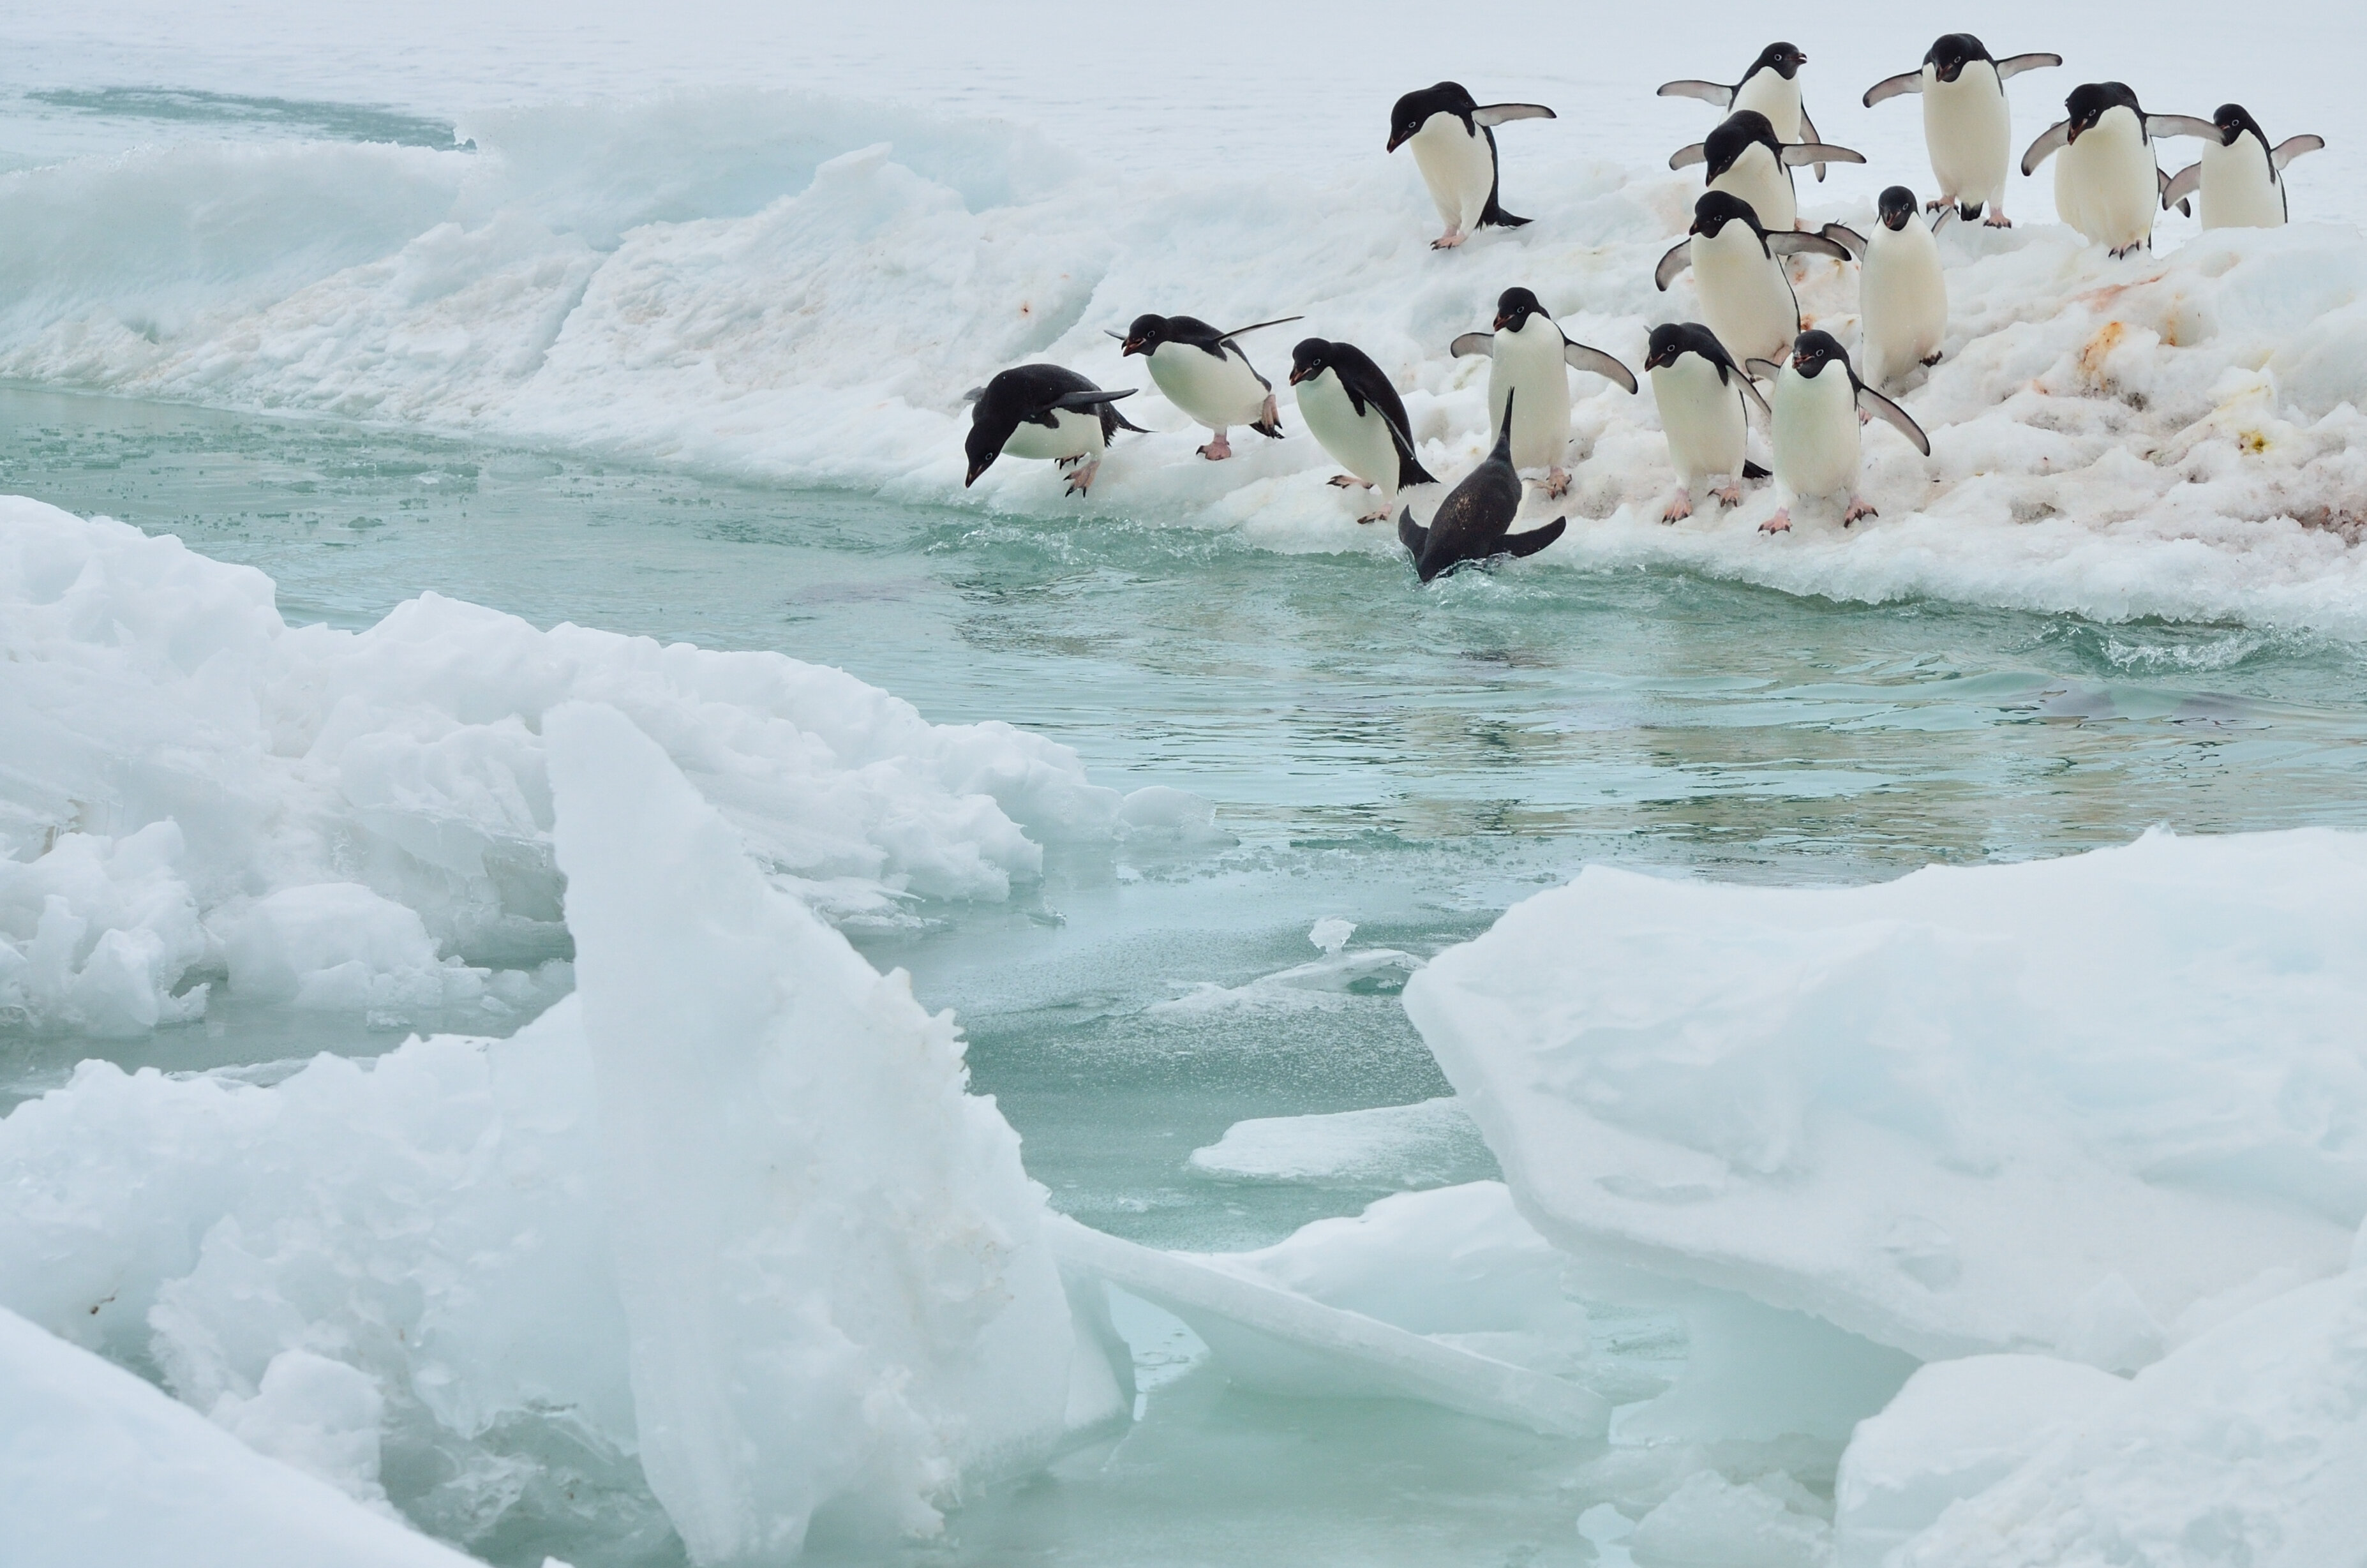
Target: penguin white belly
[(1818, 447), (1772, 94), (1530, 361), (1076, 435), (1745, 299), (1457, 166), (1902, 301), (1357, 442), (1219, 394), (1757, 178), (1703, 419), (1968, 128), (2105, 183), (2239, 188)]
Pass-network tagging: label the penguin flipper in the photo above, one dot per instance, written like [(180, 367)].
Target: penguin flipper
[(1801, 153), (1254, 326), (1529, 543), (2293, 147), (1412, 535), (973, 394), (1679, 256), (2057, 137), (1716, 92), (1808, 132), (2177, 188), (1792, 242), (1765, 369), (2160, 125), (1473, 343), (1882, 408), (1755, 398), (1752, 471), (1685, 157), (1848, 239), (1087, 398), (2015, 65), (1579, 357), (1899, 86), (1496, 114)]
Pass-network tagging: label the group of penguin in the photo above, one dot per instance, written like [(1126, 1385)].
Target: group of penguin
[(2108, 186)]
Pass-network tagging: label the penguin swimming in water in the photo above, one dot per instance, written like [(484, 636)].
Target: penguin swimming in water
[(1204, 372), (1044, 411), (1772, 87), (1704, 399), (1818, 450), (1746, 291), (1747, 159), (1470, 523), (1356, 415), (1967, 125), (2108, 185), (1529, 352), (1902, 292), (1454, 148), (2240, 177)]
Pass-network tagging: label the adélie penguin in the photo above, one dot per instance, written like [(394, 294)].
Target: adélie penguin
[(1902, 292), (1044, 411), (1704, 399), (2240, 177), (1745, 158), (1737, 267), (2107, 185), (1818, 402), (1772, 87), (1355, 413), (1530, 353), (1470, 523), (1454, 148), (1967, 125), (1204, 372)]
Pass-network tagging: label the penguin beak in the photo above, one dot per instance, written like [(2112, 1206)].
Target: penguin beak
[(1397, 140), (1800, 363), (980, 466), (1499, 323), (2072, 134), (1301, 373), (1132, 345), (1659, 361)]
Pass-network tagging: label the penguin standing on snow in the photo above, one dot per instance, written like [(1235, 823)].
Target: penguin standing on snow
[(2240, 176), (1357, 416), (1902, 294), (1454, 148), (1044, 411), (1204, 372), (1470, 523), (1746, 291), (2107, 185), (1745, 158), (1967, 125), (1772, 87), (1704, 400), (1530, 353), (1818, 451)]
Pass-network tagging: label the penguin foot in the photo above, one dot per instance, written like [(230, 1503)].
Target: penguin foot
[(1938, 201), (1218, 450), (1857, 508), (2126, 251), (1269, 421), (1679, 509), (1731, 496), (1380, 517), (1781, 523), (1449, 240), (1930, 360), (1997, 221), (1556, 484), (1081, 478), (1347, 481), (1065, 464)]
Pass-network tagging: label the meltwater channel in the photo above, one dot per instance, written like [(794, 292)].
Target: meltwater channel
[(1410, 761)]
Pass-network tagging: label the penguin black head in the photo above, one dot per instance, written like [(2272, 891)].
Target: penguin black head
[(1814, 349), (1669, 341), (1952, 54), (1147, 333), (1514, 309), (2088, 101), (1784, 58), (993, 418), (2233, 120), (1311, 358), (1898, 205), (1716, 208), (1740, 130), (1414, 110)]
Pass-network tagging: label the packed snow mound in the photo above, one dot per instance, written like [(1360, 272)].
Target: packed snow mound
[(192, 791), (799, 287), (2085, 1106), (95, 1466), (2245, 1445)]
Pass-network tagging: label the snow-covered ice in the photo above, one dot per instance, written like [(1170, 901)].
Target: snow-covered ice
[(1408, 1145)]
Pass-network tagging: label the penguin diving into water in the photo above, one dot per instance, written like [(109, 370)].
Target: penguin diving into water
[(2107, 185), (1470, 523), (1744, 157), (1530, 353), (1204, 372), (1454, 148), (1772, 87), (1818, 450), (2240, 177), (1902, 291), (1746, 291), (1356, 415), (1704, 400), (1044, 411), (1967, 125)]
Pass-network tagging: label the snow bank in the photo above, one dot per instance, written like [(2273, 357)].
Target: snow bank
[(191, 788), (97, 1467), (2085, 1106), (802, 287)]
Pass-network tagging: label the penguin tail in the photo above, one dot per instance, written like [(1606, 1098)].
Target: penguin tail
[(1502, 219), (1410, 472), (1112, 421), (1412, 535), (1752, 471), (1970, 212), (1529, 543)]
